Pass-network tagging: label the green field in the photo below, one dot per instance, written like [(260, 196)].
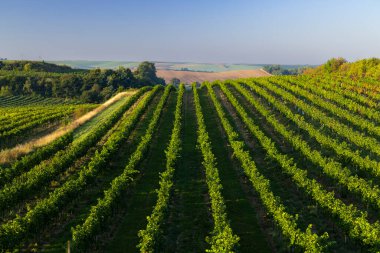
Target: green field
[(274, 164), (26, 117), (97, 64)]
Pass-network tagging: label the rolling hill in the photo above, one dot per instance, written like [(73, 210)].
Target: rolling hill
[(194, 76)]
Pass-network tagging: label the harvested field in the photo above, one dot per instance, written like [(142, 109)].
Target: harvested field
[(192, 76)]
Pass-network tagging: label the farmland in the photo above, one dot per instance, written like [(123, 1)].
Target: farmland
[(189, 66), (268, 164), (194, 76)]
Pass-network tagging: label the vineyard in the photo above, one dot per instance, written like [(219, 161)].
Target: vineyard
[(23, 118), (269, 164)]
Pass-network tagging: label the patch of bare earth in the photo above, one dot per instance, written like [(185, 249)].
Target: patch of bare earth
[(193, 76)]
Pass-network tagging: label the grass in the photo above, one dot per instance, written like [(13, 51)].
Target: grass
[(81, 131)]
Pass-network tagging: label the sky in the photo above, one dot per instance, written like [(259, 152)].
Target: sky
[(208, 31)]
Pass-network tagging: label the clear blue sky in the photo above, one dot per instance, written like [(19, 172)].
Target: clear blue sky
[(228, 31)]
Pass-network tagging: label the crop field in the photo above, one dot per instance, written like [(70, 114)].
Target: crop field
[(23, 117), (269, 164)]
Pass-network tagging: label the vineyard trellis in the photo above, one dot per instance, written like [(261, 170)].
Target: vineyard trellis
[(320, 133)]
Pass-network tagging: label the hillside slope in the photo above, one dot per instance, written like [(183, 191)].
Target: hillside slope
[(190, 76)]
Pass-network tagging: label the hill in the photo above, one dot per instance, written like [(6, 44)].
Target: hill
[(366, 68), (39, 66), (185, 66), (50, 80), (271, 164), (194, 76)]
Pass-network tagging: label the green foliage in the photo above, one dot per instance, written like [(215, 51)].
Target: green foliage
[(84, 233), (307, 240), (16, 126), (49, 80), (18, 229), (329, 166), (334, 64), (222, 238), (364, 141), (283, 70), (24, 103), (146, 73), (149, 236), (328, 121), (353, 219), (39, 66), (341, 148), (366, 68), (32, 159)]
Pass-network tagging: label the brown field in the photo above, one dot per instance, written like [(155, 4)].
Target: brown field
[(190, 76)]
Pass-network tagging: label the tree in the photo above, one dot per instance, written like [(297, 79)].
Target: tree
[(146, 73), (46, 85), (93, 95), (146, 70), (93, 76), (107, 92), (125, 78), (71, 85), (334, 64), (45, 79)]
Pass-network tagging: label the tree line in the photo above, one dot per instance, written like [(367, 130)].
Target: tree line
[(51, 80), (283, 70)]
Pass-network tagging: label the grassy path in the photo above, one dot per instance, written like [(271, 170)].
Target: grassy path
[(80, 132), (43, 135)]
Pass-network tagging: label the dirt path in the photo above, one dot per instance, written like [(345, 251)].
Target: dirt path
[(8, 155)]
